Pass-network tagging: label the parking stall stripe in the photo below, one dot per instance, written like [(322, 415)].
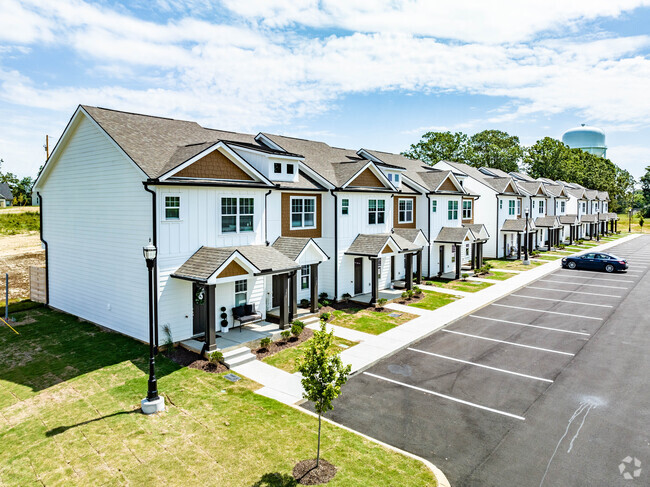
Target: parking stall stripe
[(480, 365), (445, 396), (573, 292), (531, 326), (563, 301), (544, 311), (508, 343), (580, 284), (592, 278)]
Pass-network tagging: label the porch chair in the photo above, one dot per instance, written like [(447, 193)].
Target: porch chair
[(245, 314)]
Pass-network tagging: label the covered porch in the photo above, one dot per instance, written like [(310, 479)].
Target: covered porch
[(571, 226), (466, 249), (553, 228), (250, 335)]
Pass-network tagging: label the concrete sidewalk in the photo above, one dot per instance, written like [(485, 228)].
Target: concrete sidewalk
[(286, 388)]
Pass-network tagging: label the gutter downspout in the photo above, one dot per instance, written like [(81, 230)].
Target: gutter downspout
[(155, 265), (47, 266), (496, 250), (429, 235), (266, 217), (336, 245)]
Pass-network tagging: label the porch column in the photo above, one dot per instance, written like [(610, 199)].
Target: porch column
[(418, 267), (313, 287), (479, 259), (374, 263), (519, 246), (211, 330), (458, 259), (616, 225), (597, 225), (408, 270), (473, 256), (293, 295), (549, 232), (284, 300)]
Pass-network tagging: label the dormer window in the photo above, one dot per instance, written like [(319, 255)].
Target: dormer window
[(277, 168), (289, 168), (390, 177), (397, 178)]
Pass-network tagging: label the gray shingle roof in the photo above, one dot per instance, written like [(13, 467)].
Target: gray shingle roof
[(568, 219), (404, 243), (5, 191), (433, 178), (603, 195), (454, 235), (577, 192), (369, 244), (521, 176), (546, 222), (518, 225), (591, 194), (588, 219), (409, 234), (205, 261), (530, 187), (293, 246), (477, 229), (554, 189)]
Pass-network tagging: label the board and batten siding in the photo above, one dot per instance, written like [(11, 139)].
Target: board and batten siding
[(96, 219)]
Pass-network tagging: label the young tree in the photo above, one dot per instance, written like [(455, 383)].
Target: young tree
[(645, 189), (439, 146), (546, 158), (323, 375), (494, 148)]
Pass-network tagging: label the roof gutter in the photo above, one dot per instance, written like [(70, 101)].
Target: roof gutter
[(429, 234), (266, 217), (47, 264), (336, 244), (154, 229)]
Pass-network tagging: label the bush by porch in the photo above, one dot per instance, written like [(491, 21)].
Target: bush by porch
[(70, 416)]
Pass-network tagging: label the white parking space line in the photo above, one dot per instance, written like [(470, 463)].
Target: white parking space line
[(562, 301), (580, 284), (544, 311), (531, 326), (480, 365), (592, 278), (572, 292), (445, 396), (508, 343)]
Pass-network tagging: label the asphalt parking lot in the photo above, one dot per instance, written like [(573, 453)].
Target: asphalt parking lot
[(546, 386)]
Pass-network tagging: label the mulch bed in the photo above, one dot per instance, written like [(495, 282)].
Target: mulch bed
[(414, 299), (185, 358), (306, 473), (280, 345)]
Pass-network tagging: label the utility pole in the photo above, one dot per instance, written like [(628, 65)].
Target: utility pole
[(47, 147)]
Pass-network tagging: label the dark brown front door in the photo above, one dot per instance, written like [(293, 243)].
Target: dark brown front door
[(199, 309), (392, 267), (358, 275), (441, 260), (277, 293)]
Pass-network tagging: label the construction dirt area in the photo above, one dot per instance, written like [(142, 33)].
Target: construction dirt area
[(17, 254)]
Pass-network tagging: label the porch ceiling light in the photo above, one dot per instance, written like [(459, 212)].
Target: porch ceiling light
[(149, 251)]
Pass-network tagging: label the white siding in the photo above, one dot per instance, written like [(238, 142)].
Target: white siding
[(96, 219)]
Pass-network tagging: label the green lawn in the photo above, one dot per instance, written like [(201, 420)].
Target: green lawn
[(433, 300), (498, 276), (15, 223), (548, 257), (289, 358), (69, 415), (457, 284), (368, 321), (515, 265)]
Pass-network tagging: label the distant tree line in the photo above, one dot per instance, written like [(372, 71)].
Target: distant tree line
[(21, 189), (547, 158)]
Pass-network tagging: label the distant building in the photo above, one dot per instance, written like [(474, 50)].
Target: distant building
[(589, 139), (5, 195)]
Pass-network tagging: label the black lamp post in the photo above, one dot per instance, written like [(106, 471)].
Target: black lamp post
[(527, 239), (153, 402), (629, 220)]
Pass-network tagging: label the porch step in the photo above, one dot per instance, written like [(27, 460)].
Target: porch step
[(238, 356), (309, 321)]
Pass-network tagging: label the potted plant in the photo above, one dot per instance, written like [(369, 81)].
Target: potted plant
[(224, 320)]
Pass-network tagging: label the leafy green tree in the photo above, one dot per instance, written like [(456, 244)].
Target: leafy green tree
[(494, 148), (546, 158), (323, 375), (439, 146), (645, 189)]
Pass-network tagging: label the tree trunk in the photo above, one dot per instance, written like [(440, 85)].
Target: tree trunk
[(318, 450)]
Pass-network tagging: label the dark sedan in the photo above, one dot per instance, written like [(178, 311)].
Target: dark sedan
[(596, 261)]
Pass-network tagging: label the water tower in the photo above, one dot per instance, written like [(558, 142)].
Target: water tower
[(589, 139)]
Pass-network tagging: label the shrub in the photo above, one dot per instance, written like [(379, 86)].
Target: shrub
[(405, 295), (319, 306), (325, 316), (299, 323), (285, 334), (215, 357), (168, 341), (464, 276), (304, 303), (429, 283), (325, 302), (265, 342), (346, 297), (417, 290), (296, 330), (323, 295), (381, 302), (488, 266)]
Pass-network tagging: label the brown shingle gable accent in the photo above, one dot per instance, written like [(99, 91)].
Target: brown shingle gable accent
[(387, 250), (510, 189), (286, 217), (447, 185), (540, 192), (367, 179), (232, 269), (215, 166), (396, 223)]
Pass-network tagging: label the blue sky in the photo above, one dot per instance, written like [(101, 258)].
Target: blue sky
[(353, 73)]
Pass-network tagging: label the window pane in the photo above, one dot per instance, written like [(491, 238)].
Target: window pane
[(380, 217), (309, 219), (289, 168), (240, 298), (304, 282), (228, 224), (245, 223), (296, 205), (172, 201), (381, 205), (296, 220), (277, 168), (309, 205), (246, 206), (172, 213), (228, 206), (372, 218), (372, 205)]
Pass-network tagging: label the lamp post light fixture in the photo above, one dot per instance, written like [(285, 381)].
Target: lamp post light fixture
[(526, 241), (629, 220), (153, 403)]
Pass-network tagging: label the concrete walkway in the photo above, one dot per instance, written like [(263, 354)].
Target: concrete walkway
[(286, 387)]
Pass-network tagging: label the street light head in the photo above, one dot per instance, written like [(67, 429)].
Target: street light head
[(149, 251)]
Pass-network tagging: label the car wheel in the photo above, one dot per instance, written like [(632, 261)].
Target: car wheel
[(571, 265), (609, 268)]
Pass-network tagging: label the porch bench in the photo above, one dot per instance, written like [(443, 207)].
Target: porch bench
[(245, 314)]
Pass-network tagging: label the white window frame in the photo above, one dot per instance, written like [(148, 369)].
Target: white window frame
[(397, 178), (290, 169), (305, 277), (167, 207), (244, 291), (345, 206), (500, 204), (518, 207), (467, 212), (390, 177), (238, 214), (541, 207), (376, 212), (302, 213), (511, 207), (406, 211), (562, 206), (452, 210)]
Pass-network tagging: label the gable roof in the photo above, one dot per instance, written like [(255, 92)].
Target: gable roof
[(292, 247), (518, 225), (5, 192), (555, 190), (569, 219), (455, 235), (409, 234), (531, 187), (478, 229), (497, 184), (546, 222)]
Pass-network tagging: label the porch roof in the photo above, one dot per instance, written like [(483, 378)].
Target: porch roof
[(588, 219), (547, 222), (373, 245), (518, 225), (207, 261), (454, 235), (410, 234), (478, 229), (569, 219), (293, 247)]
